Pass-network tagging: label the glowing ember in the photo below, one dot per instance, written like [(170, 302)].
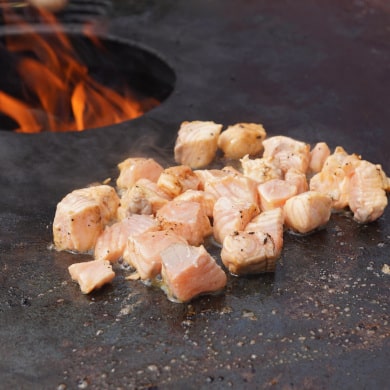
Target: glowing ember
[(58, 92)]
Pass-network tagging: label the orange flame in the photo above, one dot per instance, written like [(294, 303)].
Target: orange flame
[(59, 86)]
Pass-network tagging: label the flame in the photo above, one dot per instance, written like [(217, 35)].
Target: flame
[(27, 121), (59, 93)]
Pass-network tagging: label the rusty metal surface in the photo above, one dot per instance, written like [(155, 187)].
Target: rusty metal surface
[(311, 70)]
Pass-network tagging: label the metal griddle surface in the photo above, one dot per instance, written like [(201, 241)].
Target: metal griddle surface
[(317, 71)]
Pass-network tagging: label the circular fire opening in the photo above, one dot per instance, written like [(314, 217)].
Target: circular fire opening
[(56, 81)]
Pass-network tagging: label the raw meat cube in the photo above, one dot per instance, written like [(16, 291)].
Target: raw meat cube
[(81, 216), (111, 244), (196, 143), (91, 275), (189, 271)]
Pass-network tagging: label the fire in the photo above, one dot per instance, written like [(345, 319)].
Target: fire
[(59, 94)]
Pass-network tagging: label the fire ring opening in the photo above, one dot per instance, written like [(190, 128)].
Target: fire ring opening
[(70, 81)]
